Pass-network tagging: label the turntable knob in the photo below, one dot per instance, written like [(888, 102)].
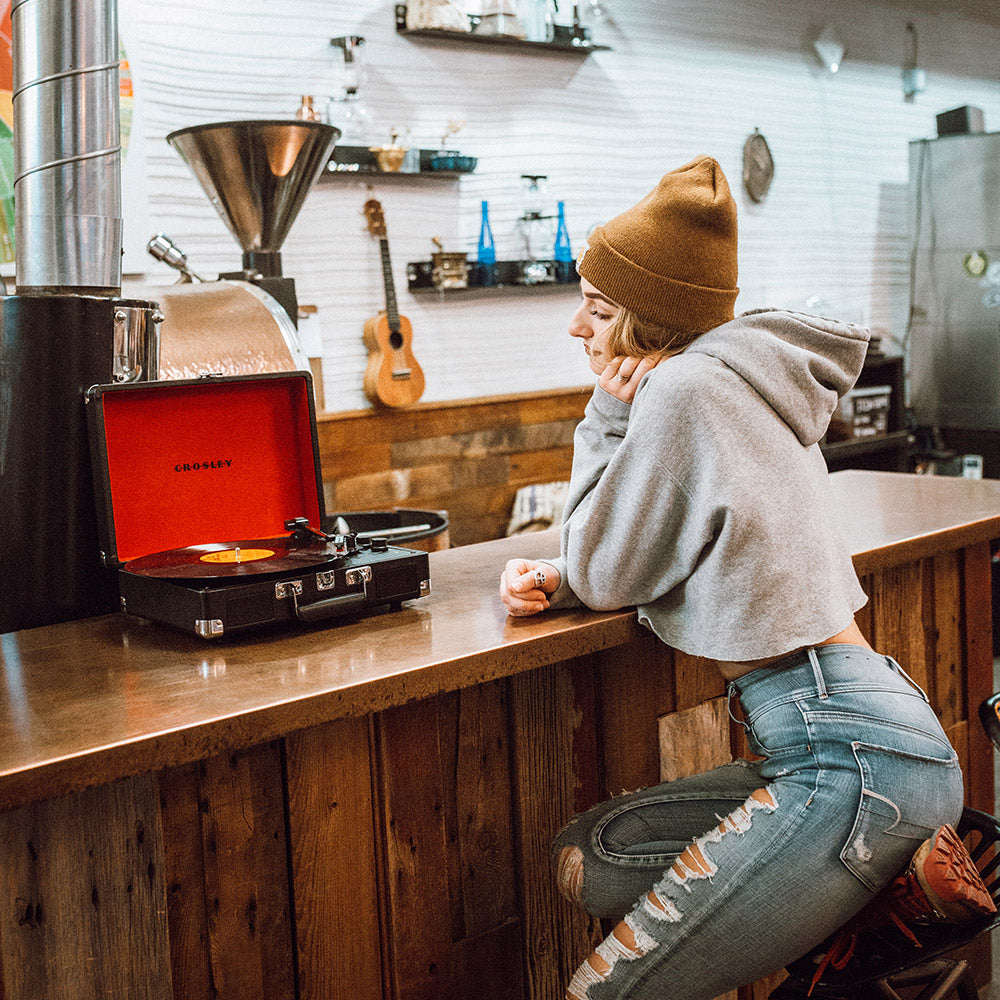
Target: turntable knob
[(380, 545)]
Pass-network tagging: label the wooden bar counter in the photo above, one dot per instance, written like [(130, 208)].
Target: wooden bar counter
[(364, 810)]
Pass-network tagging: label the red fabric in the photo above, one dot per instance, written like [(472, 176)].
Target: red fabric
[(222, 462)]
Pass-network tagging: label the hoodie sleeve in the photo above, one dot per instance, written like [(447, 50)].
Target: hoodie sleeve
[(596, 440), (626, 536)]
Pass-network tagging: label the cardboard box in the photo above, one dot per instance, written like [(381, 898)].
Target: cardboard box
[(862, 413)]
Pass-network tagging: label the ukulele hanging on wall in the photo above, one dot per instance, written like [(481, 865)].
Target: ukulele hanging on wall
[(393, 376)]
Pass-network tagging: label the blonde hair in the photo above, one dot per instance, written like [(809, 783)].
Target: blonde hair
[(632, 337)]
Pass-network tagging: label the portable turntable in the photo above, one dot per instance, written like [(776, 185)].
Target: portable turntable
[(211, 499)]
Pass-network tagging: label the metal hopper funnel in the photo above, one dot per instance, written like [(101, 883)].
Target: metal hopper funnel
[(257, 175)]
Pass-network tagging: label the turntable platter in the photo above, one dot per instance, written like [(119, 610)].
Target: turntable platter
[(231, 559)]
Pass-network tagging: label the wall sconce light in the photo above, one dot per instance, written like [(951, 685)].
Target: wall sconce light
[(914, 78), (829, 49)]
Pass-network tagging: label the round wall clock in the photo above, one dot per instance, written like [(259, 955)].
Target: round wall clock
[(758, 166)]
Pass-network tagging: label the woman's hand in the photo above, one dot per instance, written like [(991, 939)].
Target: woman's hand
[(622, 376), (525, 586)]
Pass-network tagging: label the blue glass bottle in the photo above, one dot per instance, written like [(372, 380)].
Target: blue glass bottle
[(487, 252), (562, 253)]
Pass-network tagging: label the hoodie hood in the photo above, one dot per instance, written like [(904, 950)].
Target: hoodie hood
[(801, 365)]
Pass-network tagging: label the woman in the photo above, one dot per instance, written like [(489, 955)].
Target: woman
[(699, 494)]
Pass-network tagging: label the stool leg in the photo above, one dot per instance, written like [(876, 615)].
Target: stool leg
[(942, 978)]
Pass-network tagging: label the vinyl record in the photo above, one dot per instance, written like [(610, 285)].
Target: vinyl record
[(231, 559)]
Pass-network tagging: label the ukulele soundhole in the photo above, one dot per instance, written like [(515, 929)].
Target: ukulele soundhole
[(395, 340)]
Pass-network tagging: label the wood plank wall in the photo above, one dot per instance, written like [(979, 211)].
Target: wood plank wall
[(468, 457), (404, 855)]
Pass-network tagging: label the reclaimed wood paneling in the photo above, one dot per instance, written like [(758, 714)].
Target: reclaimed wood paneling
[(556, 936), (696, 679), (694, 740), (897, 598), (485, 958), (417, 879), (635, 688), (333, 862), (449, 846), (83, 906), (946, 688), (482, 791), (488, 966), (246, 875), (978, 619), (762, 989), (468, 458), (184, 867)]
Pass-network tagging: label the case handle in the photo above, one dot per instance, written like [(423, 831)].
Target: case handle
[(330, 608)]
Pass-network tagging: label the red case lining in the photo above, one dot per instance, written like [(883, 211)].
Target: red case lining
[(161, 445)]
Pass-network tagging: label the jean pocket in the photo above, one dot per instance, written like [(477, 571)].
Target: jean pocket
[(904, 797)]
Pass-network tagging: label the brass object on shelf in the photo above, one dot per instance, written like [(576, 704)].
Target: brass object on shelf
[(389, 158), (451, 269)]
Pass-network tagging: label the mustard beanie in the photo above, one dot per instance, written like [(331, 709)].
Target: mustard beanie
[(671, 259)]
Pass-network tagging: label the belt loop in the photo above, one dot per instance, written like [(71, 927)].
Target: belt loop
[(731, 691), (817, 673)]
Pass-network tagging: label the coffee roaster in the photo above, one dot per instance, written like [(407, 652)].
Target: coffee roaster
[(66, 327), (257, 175)]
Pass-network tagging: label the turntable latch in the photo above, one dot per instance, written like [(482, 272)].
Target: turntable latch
[(288, 588), (353, 577), (363, 574), (208, 628)]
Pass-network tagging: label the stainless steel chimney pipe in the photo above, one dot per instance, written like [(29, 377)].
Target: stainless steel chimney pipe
[(67, 147)]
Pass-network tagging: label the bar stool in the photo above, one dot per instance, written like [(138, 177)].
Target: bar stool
[(885, 962), (989, 716)]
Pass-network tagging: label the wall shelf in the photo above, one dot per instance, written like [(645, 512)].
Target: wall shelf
[(359, 161), (889, 452), (843, 453), (508, 275), (572, 46)]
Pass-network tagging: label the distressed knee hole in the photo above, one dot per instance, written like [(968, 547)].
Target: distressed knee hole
[(569, 873), (626, 942), (695, 861), (661, 907)]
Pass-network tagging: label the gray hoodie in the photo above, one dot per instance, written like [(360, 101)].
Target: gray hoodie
[(706, 501)]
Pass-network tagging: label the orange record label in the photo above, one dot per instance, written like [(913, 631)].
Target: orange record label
[(236, 555)]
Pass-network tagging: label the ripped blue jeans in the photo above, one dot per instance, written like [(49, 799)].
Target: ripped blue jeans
[(724, 877)]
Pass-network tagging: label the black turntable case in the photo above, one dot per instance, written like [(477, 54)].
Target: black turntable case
[(228, 459)]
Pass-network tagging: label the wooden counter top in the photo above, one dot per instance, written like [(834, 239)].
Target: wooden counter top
[(890, 517), (90, 701)]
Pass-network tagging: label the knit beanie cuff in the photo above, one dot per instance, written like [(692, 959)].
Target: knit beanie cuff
[(668, 302)]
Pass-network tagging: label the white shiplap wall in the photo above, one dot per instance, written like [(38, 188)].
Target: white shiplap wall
[(684, 76)]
